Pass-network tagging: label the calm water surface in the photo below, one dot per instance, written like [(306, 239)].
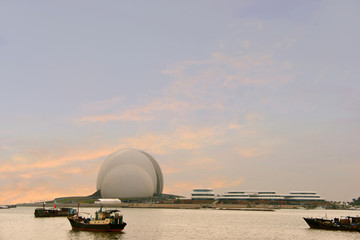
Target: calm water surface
[(19, 223)]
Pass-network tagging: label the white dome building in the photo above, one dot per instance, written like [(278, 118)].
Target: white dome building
[(129, 173)]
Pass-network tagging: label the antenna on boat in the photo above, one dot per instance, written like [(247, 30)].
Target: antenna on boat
[(77, 213)]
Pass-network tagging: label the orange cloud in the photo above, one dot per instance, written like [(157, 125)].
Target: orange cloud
[(235, 126), (251, 152), (21, 194), (217, 182), (45, 161), (46, 184), (205, 164), (253, 69), (182, 138), (227, 183), (169, 170), (142, 113), (180, 187), (247, 69), (103, 105)]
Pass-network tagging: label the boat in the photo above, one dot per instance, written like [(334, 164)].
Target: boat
[(54, 212), (104, 221), (7, 206), (343, 224)]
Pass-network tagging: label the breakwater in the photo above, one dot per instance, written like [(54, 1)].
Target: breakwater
[(173, 206)]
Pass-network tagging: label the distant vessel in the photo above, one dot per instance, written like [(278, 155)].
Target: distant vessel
[(53, 212), (7, 206), (104, 221), (342, 224)]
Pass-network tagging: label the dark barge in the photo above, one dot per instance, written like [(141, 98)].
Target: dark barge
[(53, 212)]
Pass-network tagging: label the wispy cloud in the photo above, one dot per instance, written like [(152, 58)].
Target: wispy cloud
[(184, 137), (216, 183), (195, 83), (147, 112), (36, 166), (167, 170), (104, 105), (45, 179), (252, 152), (21, 193), (30, 162), (235, 126), (205, 163)]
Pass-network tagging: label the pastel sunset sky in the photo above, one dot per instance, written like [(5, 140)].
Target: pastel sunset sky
[(231, 95)]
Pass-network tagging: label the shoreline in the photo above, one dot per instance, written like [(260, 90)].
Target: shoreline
[(237, 207)]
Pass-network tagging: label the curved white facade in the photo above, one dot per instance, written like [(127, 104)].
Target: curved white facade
[(129, 173)]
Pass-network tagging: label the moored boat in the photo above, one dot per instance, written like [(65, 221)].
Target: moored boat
[(342, 224), (104, 221), (54, 212)]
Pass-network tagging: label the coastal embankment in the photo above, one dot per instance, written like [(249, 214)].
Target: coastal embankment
[(242, 207)]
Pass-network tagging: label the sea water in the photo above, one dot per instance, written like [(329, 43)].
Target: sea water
[(173, 224)]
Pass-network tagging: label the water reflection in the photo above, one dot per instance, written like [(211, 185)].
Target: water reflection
[(181, 224), (76, 234)]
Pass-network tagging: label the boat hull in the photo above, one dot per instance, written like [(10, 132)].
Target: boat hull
[(65, 212), (76, 225), (319, 223)]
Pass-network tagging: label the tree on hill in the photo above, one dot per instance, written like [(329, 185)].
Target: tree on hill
[(356, 201)]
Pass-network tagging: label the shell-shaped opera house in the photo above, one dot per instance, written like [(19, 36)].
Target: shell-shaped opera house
[(129, 173)]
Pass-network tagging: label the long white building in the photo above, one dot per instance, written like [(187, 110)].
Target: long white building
[(202, 194), (293, 196)]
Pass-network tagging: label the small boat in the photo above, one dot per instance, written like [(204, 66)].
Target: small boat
[(54, 212), (104, 221), (342, 224)]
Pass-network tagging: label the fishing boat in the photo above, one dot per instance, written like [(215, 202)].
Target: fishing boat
[(343, 224), (104, 221), (54, 212)]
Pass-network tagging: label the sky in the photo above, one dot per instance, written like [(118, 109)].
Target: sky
[(230, 95)]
